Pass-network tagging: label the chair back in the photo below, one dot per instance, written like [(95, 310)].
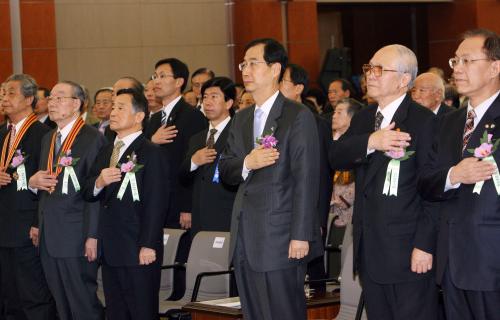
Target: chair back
[(171, 239)]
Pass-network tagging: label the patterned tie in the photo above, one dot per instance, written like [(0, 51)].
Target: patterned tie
[(469, 128), (12, 129), (257, 123), (211, 139), (163, 118), (58, 143), (379, 117), (115, 156)]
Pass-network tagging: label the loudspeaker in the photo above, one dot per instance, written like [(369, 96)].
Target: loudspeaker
[(337, 64)]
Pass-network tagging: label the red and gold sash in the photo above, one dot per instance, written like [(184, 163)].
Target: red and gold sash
[(5, 158), (68, 142)]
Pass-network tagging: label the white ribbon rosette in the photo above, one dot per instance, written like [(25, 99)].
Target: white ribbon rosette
[(20, 175), (67, 161)]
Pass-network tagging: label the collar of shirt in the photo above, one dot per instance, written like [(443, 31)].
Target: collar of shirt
[(436, 110), (267, 105), (43, 118), (389, 111), (220, 127), (84, 116), (168, 108), (481, 108), (127, 141), (104, 123), (65, 131), (19, 125)]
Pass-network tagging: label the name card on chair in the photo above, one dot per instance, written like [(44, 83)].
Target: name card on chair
[(165, 238), (218, 242)]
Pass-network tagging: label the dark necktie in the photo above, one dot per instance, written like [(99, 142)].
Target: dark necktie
[(379, 117), (469, 128), (58, 143), (211, 139), (163, 118)]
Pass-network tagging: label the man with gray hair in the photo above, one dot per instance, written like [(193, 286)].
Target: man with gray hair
[(24, 291), (393, 228), (67, 234), (428, 91)]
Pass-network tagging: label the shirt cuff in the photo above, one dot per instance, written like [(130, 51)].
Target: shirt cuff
[(193, 166), (245, 171), (369, 151), (97, 190), (448, 186), (34, 190)]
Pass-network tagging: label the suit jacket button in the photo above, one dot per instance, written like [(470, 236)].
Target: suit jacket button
[(202, 178), (105, 206)]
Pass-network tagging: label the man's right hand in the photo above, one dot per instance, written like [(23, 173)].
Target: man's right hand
[(107, 177), (204, 156), (261, 157), (164, 135), (387, 139), (34, 236), (42, 180), (471, 170)]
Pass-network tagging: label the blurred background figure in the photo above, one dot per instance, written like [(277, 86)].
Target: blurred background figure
[(246, 100)]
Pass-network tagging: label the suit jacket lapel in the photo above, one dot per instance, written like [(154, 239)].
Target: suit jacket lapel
[(247, 132), (173, 114), (271, 123), (379, 160)]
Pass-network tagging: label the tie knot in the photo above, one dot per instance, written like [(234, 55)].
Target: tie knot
[(471, 114), (258, 113), (213, 131), (119, 144)]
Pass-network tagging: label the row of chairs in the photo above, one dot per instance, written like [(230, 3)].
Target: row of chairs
[(207, 269)]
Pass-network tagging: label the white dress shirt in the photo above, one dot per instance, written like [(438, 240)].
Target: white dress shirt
[(388, 113), (169, 107), (480, 110), (220, 127), (266, 108)]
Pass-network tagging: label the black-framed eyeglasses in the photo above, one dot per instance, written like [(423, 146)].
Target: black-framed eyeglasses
[(376, 70)]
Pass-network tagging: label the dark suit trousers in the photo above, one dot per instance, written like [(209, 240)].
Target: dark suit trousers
[(131, 293), (467, 304), (24, 290), (416, 300), (269, 295), (73, 284)]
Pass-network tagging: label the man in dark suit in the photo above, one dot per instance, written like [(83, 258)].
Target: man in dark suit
[(393, 230), (131, 219), (68, 224), (428, 91), (212, 199), (23, 286), (41, 108), (293, 86), (273, 231), (172, 128), (103, 102), (468, 252)]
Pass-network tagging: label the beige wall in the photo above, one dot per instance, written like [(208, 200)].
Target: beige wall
[(100, 40)]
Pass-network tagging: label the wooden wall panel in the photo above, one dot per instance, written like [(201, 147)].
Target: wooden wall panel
[(5, 41)]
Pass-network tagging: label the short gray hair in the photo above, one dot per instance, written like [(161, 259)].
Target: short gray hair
[(407, 62), (29, 87), (77, 93)]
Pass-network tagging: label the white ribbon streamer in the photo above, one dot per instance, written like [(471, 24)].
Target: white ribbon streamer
[(22, 183), (69, 174), (496, 178), (129, 177), (392, 178)]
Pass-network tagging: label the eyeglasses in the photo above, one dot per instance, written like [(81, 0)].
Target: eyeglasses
[(58, 99), (377, 70), (252, 64), (161, 76), (453, 62)]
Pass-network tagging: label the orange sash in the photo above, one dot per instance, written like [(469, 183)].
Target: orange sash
[(5, 158), (68, 142)]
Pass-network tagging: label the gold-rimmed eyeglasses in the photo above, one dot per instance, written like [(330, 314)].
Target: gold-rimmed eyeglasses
[(377, 70), (251, 64)]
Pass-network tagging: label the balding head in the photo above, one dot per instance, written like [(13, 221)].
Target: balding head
[(428, 90)]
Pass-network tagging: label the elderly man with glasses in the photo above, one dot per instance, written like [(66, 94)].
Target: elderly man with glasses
[(393, 229), (468, 250)]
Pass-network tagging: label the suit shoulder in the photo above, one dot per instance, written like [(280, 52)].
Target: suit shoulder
[(40, 128), (420, 112)]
